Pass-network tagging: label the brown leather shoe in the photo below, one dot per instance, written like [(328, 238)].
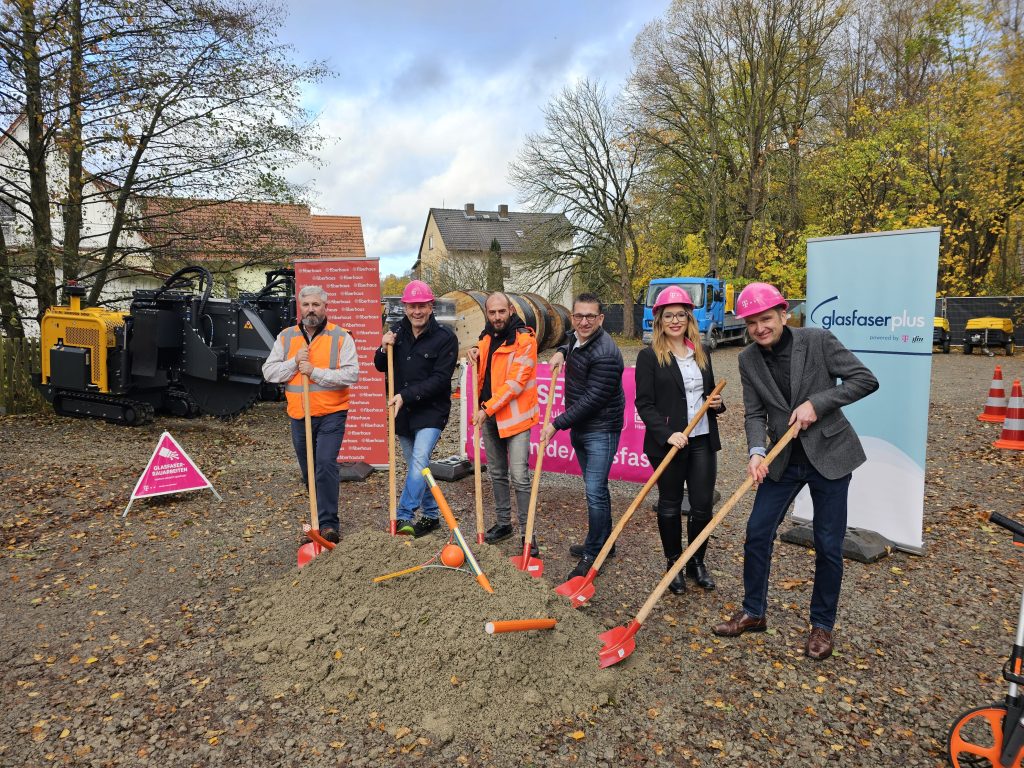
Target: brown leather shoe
[(740, 623), (819, 644)]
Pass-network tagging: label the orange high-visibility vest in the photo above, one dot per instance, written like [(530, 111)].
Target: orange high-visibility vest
[(324, 352), (513, 400)]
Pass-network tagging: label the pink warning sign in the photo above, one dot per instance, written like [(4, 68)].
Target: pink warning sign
[(170, 470)]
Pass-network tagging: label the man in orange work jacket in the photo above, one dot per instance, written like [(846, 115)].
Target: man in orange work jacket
[(507, 389), (327, 355)]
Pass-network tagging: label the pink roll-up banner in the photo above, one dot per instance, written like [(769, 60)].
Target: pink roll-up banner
[(630, 462)]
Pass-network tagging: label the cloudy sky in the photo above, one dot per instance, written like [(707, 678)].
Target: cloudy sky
[(432, 100)]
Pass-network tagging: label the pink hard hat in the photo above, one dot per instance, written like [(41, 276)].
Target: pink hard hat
[(673, 295), (758, 297), (417, 292)]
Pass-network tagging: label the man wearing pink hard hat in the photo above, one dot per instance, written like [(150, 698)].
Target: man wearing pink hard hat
[(796, 376), (425, 353)]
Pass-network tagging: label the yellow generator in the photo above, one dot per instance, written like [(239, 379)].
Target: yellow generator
[(940, 334), (176, 351), (988, 332)]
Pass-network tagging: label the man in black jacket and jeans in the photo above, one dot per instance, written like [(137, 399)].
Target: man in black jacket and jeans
[(425, 355), (594, 402)]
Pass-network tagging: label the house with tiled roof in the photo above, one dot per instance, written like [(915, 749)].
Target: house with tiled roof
[(456, 244), (237, 240)]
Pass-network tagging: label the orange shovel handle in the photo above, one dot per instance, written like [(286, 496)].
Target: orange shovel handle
[(442, 502)]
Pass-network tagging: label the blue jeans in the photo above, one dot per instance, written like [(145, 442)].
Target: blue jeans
[(596, 452), (328, 432), (770, 506), (416, 450), (508, 456)]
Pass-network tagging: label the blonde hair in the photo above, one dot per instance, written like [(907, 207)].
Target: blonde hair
[(660, 344)]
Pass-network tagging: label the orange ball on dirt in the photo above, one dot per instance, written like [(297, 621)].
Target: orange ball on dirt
[(452, 555)]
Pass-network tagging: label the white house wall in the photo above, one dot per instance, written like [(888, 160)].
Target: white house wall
[(97, 221)]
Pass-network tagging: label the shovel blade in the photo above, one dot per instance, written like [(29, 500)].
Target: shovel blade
[(532, 565), (618, 644), (579, 589), (307, 552)]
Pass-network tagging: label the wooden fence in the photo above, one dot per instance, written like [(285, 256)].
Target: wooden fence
[(19, 359)]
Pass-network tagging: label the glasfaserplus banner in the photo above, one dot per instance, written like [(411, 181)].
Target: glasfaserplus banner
[(876, 293)]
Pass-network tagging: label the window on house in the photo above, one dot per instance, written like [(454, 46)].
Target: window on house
[(506, 271), (430, 243), (7, 218)]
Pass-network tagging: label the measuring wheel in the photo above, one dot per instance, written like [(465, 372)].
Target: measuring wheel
[(976, 738)]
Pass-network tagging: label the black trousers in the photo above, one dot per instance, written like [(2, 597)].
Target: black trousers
[(695, 468)]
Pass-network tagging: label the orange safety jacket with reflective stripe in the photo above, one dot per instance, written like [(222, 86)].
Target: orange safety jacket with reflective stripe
[(324, 352), (513, 400)]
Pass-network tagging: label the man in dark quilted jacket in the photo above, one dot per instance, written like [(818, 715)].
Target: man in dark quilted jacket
[(594, 402)]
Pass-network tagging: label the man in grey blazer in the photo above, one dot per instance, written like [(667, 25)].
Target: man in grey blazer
[(789, 376)]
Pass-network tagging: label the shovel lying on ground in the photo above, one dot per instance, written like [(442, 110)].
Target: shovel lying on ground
[(449, 518), (477, 485), (534, 565), (618, 642), (392, 498), (579, 589), (308, 551)]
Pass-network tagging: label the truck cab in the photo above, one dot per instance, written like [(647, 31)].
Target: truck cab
[(713, 308)]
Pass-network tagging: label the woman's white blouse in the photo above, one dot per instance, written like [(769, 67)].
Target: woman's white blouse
[(693, 379)]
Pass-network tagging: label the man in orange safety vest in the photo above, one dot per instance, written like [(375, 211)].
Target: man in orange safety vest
[(326, 354), (507, 389)]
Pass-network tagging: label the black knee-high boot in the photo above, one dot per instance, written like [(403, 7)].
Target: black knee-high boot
[(696, 568), (670, 526)]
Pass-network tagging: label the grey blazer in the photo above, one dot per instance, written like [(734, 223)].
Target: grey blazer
[(818, 360)]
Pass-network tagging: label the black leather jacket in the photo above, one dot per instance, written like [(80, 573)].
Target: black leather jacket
[(594, 400)]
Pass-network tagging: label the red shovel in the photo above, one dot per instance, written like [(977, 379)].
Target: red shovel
[(618, 642), (579, 589), (308, 551), (534, 565)]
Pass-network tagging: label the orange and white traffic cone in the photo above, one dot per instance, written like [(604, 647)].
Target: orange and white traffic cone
[(1013, 426), (995, 406)]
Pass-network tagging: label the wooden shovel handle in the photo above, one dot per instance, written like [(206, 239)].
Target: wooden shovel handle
[(314, 520), (603, 554), (695, 544), (540, 459), (477, 482), (392, 493)]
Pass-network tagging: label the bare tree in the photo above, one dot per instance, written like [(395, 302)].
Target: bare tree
[(458, 272), (188, 99), (586, 164), (725, 88)]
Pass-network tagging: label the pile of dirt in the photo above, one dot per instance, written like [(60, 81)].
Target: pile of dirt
[(413, 649)]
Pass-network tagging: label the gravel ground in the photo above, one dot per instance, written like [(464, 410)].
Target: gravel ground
[(128, 644)]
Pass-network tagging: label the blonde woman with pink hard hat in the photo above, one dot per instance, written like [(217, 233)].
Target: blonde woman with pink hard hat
[(673, 378)]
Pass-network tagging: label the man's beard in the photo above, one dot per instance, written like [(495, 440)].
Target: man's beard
[(311, 321)]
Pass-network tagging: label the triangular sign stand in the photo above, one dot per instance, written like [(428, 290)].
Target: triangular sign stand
[(170, 470)]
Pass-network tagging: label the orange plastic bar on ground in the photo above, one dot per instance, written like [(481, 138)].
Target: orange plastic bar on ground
[(519, 625)]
